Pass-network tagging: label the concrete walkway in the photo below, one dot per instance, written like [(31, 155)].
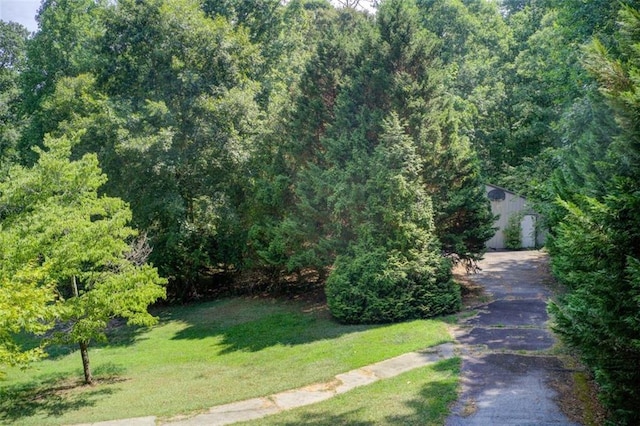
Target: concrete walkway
[(508, 373)]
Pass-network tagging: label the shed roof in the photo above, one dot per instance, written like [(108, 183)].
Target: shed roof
[(505, 190)]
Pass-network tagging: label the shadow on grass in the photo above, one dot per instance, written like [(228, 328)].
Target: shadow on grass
[(50, 396), (328, 419), (118, 334), (284, 328)]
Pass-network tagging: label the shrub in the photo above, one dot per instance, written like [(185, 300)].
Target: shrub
[(513, 232), (378, 286)]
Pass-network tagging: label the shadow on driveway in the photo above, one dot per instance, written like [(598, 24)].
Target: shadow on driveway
[(507, 373)]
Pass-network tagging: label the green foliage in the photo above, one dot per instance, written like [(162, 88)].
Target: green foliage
[(71, 247), (373, 139), (599, 315), (595, 241), (226, 126), (260, 17), (291, 217), (392, 270), (476, 46), (291, 136), (462, 213), (374, 286), (13, 41), (66, 45), (513, 232), (169, 106), (421, 94), (25, 297), (183, 86)]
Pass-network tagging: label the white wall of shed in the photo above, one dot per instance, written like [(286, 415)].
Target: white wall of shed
[(505, 208), (528, 231)]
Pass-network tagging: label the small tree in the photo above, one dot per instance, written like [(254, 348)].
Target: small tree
[(513, 232), (71, 247)]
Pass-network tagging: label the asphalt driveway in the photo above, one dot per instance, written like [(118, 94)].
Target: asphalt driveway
[(510, 375)]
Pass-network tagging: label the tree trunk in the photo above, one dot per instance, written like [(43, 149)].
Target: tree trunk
[(84, 345), (84, 352)]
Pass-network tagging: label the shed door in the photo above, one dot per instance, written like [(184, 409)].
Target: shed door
[(528, 227)]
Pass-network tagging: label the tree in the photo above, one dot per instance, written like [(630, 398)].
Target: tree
[(183, 84), (325, 201), (596, 243), (476, 50), (292, 221), (65, 45), (397, 75), (73, 249), (392, 269), (13, 41), (409, 63), (169, 104)]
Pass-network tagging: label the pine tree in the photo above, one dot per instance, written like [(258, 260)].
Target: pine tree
[(402, 72), (292, 226), (381, 145)]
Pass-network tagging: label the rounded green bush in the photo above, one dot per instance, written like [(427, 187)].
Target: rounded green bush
[(380, 287)]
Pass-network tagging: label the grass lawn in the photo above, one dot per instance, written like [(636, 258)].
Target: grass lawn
[(204, 355), (418, 397)]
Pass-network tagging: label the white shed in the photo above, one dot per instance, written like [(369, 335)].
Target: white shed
[(506, 204)]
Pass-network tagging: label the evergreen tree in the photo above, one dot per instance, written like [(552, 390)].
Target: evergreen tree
[(397, 72), (392, 269), (418, 91), (595, 249), (292, 219), (323, 195)]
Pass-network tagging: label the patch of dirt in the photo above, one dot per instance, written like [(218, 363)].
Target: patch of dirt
[(470, 408), (473, 295), (578, 394)]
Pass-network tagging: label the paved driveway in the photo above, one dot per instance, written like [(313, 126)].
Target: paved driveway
[(509, 375)]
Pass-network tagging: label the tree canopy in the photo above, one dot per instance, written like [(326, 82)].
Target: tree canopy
[(344, 144)]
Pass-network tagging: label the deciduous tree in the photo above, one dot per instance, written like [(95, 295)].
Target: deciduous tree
[(70, 254), (13, 42)]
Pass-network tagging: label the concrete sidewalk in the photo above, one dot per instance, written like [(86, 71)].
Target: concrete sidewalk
[(260, 407)]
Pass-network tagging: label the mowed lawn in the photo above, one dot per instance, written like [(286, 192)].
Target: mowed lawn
[(420, 397), (209, 354)]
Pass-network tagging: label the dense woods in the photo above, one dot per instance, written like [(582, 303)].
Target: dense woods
[(314, 143)]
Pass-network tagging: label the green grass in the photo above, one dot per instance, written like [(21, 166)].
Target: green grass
[(418, 397), (204, 355)]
